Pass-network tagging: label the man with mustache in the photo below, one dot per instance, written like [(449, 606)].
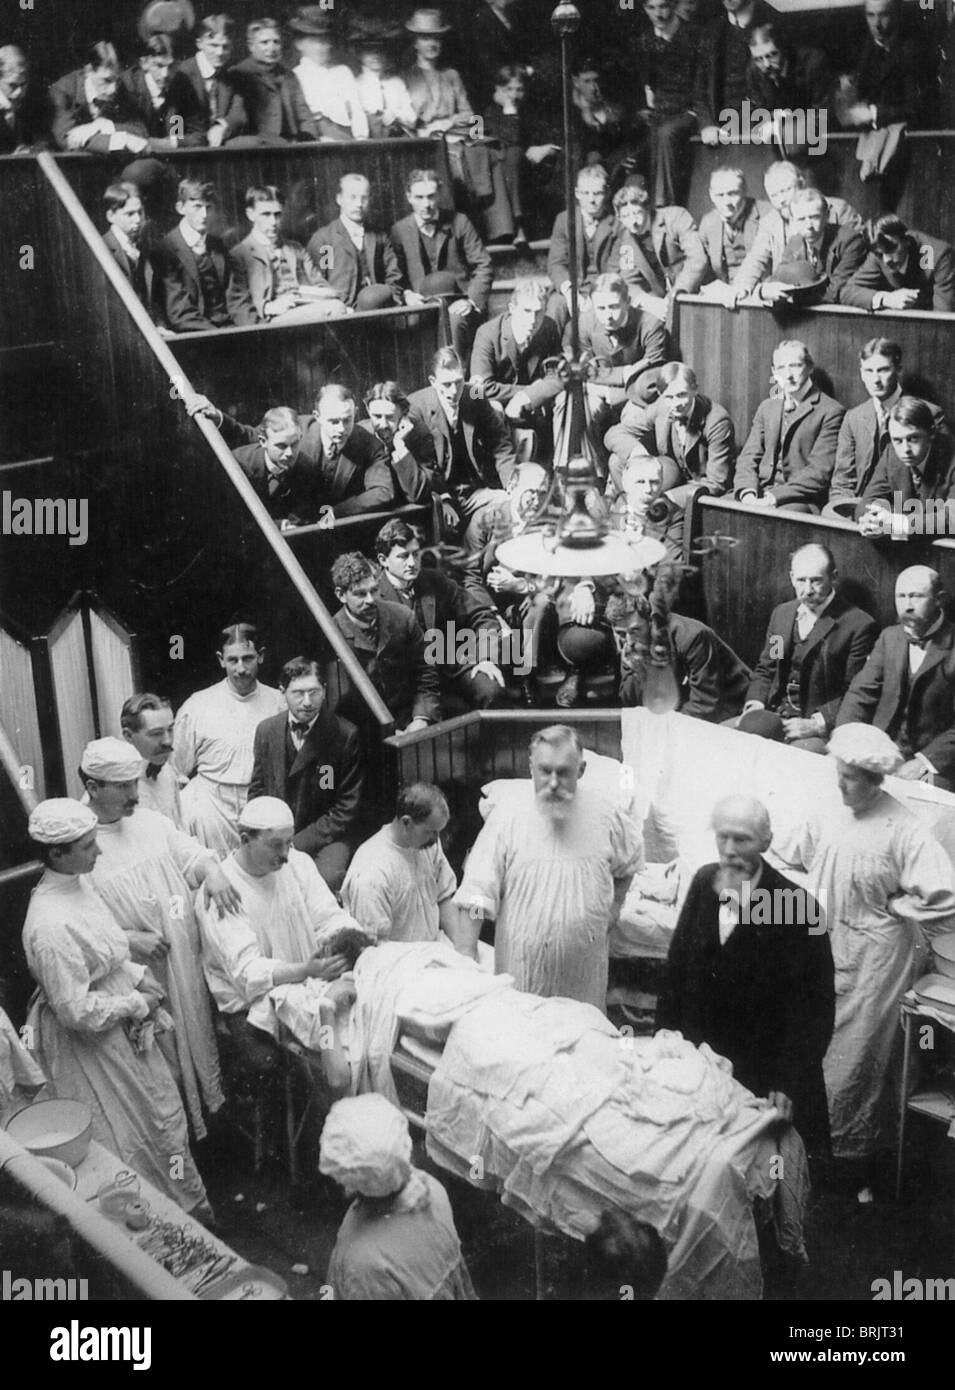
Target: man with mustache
[(750, 972), (551, 867)]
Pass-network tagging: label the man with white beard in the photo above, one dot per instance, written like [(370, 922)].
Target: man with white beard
[(551, 868), (750, 972)]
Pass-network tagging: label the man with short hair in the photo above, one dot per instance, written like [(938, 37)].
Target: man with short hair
[(388, 642), (462, 634), (441, 254), (750, 972), (667, 55), (274, 280), (124, 240), (551, 868), (150, 88), (788, 459), (894, 75), (595, 229), (93, 111), (193, 265), (470, 456), (907, 686), (25, 113), (721, 72), (912, 485), (360, 264), (389, 422), (657, 251), (207, 93), (783, 78), (729, 229), (903, 270), (400, 885), (627, 343), (277, 110), (510, 353), (312, 760), (349, 466), (818, 247), (146, 721), (816, 644)]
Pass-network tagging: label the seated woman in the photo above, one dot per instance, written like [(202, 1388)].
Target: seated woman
[(397, 1241)]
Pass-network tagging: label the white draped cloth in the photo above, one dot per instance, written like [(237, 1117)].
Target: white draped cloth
[(395, 893), (79, 957), (17, 1067), (549, 885), (333, 92), (161, 793), (886, 886), (213, 739), (147, 876)]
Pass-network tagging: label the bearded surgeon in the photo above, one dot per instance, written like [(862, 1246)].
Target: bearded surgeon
[(551, 868)]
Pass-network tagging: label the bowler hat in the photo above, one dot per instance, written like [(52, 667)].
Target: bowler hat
[(427, 22), (313, 21), (805, 284), (369, 29)]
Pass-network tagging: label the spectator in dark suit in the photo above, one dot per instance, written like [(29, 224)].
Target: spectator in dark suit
[(657, 251), (124, 240), (667, 56), (276, 106), (388, 642), (903, 270), (207, 93), (406, 444), (865, 428), (312, 760), (26, 117), (912, 488), (462, 634), (441, 254), (273, 280), (894, 74), (729, 229), (721, 73), (595, 230), (469, 452), (907, 686), (815, 645), (351, 466), (834, 253), (358, 263), (788, 459), (152, 92), (508, 362), (93, 110), (600, 130), (192, 265), (784, 79), (500, 33), (270, 457), (627, 342)]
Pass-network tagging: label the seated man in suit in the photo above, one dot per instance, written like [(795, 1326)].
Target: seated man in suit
[(151, 91), (865, 428), (389, 421), (903, 270), (467, 447), (629, 345), (26, 117), (388, 642), (710, 678), (834, 253), (509, 356), (729, 229), (277, 110), (358, 263), (312, 760), (273, 280), (657, 251), (440, 253), (350, 466), (907, 686), (92, 110), (785, 79), (272, 462), (894, 75), (193, 265), (815, 645), (206, 93), (719, 89), (912, 488), (124, 240), (595, 229), (462, 634), (666, 55), (788, 459), (750, 972)]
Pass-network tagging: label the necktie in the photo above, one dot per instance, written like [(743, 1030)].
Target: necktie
[(921, 642), (277, 483), (153, 770)]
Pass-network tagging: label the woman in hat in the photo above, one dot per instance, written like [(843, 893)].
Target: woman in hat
[(383, 95), (437, 93), (885, 885), (397, 1241), (330, 89)]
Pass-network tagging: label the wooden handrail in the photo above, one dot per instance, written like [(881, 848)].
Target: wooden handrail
[(255, 507), (827, 310)]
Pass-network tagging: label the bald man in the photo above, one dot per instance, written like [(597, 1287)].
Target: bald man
[(907, 686), (750, 972)]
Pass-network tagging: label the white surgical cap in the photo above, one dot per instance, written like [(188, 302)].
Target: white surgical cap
[(266, 813), (366, 1146), (60, 821), (865, 747), (111, 760)]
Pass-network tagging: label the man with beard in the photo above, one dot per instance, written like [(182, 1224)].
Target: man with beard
[(551, 867), (750, 972)]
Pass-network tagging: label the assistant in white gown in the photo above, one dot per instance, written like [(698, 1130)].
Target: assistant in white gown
[(79, 957), (886, 887), (549, 885), (213, 747), (146, 875), (395, 893)]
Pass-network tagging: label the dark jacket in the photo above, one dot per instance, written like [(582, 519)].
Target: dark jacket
[(359, 480), (183, 302), (931, 271), (141, 277), (70, 110), (169, 119), (322, 782), (679, 250), (711, 235), (839, 256), (711, 678), (440, 603), (298, 497), (893, 482), (558, 259), (503, 369), (397, 668), (460, 252), (918, 712), (792, 456), (486, 437), (188, 91), (709, 447), (412, 481), (275, 103), (765, 999), (643, 336), (334, 254), (806, 84), (835, 653), (32, 123), (724, 48), (897, 82)]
